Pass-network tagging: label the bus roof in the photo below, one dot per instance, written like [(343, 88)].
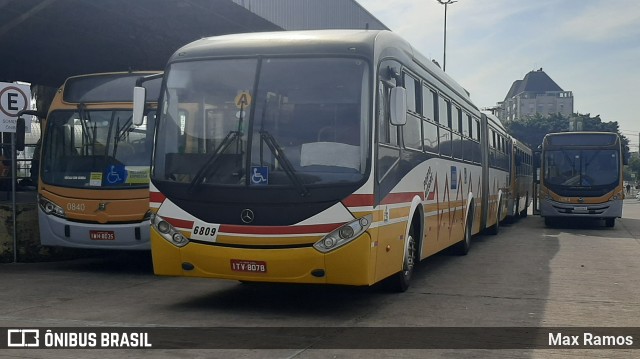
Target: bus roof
[(314, 42), (582, 138)]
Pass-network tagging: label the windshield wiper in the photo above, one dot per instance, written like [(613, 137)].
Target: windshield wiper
[(120, 132), (284, 161), (209, 167)]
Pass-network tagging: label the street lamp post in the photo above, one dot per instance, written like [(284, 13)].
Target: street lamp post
[(444, 55)]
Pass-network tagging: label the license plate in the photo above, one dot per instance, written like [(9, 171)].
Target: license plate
[(102, 235), (238, 265), (581, 209)]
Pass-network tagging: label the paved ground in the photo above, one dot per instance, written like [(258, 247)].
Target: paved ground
[(577, 275)]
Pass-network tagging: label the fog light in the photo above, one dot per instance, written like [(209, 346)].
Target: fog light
[(48, 208), (178, 238), (329, 242)]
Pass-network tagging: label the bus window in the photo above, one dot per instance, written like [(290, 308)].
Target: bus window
[(429, 98), (412, 133)]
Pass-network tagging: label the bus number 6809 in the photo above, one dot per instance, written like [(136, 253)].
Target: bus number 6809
[(204, 231)]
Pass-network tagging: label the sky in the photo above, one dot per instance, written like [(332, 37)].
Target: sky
[(589, 47)]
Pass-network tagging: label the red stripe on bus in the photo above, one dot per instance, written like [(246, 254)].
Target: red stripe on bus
[(178, 223), (156, 197), (358, 200), (404, 197), (274, 230)]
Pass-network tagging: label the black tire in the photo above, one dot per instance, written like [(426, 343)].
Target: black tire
[(400, 281), (523, 213), (549, 221), (610, 222), (495, 229), (462, 247)]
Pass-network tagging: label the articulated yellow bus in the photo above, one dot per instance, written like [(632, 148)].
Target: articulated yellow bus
[(521, 177), (581, 176), (93, 188), (332, 156)]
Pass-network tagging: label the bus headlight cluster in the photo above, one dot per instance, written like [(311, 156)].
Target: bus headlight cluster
[(168, 232), (50, 208), (343, 235)]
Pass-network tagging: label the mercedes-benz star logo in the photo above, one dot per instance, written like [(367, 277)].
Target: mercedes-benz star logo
[(102, 206), (247, 216)]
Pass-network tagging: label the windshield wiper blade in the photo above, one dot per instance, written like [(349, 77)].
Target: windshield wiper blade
[(122, 132), (209, 167), (286, 164)]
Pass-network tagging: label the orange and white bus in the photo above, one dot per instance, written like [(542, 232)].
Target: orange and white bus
[(93, 188), (581, 176), (332, 156)]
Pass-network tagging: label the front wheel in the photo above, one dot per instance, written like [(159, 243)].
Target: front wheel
[(610, 222), (549, 221), (400, 281)]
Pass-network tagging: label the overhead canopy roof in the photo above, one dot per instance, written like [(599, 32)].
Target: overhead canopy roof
[(46, 41)]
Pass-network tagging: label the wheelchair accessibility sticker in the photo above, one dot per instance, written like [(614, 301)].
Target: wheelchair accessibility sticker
[(115, 174), (259, 175), (118, 174)]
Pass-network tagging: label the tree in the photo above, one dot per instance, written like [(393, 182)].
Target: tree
[(633, 167), (531, 130)]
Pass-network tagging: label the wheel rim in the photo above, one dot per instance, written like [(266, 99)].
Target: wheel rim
[(409, 258)]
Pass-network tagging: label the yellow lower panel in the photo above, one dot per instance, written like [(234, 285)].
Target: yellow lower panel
[(350, 264)]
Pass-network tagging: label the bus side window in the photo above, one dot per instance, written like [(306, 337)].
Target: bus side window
[(388, 150)]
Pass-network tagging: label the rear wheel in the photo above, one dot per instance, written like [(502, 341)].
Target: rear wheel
[(495, 229), (523, 214), (400, 281), (462, 247)]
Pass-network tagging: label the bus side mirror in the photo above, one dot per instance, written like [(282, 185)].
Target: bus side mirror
[(20, 133), (139, 98), (398, 106)]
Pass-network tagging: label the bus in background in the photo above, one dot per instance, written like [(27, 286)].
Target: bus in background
[(499, 152), (521, 177), (581, 176), (332, 156), (93, 189)]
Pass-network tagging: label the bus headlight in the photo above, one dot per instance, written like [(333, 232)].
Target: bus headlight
[(168, 232), (343, 235), (50, 208)]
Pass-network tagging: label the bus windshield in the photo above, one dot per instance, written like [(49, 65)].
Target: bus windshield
[(293, 122), (96, 148), (581, 168)]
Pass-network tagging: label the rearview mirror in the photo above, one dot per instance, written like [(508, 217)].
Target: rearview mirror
[(139, 97), (398, 106)]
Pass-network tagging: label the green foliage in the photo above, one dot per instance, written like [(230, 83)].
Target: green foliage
[(531, 130), (633, 167)]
